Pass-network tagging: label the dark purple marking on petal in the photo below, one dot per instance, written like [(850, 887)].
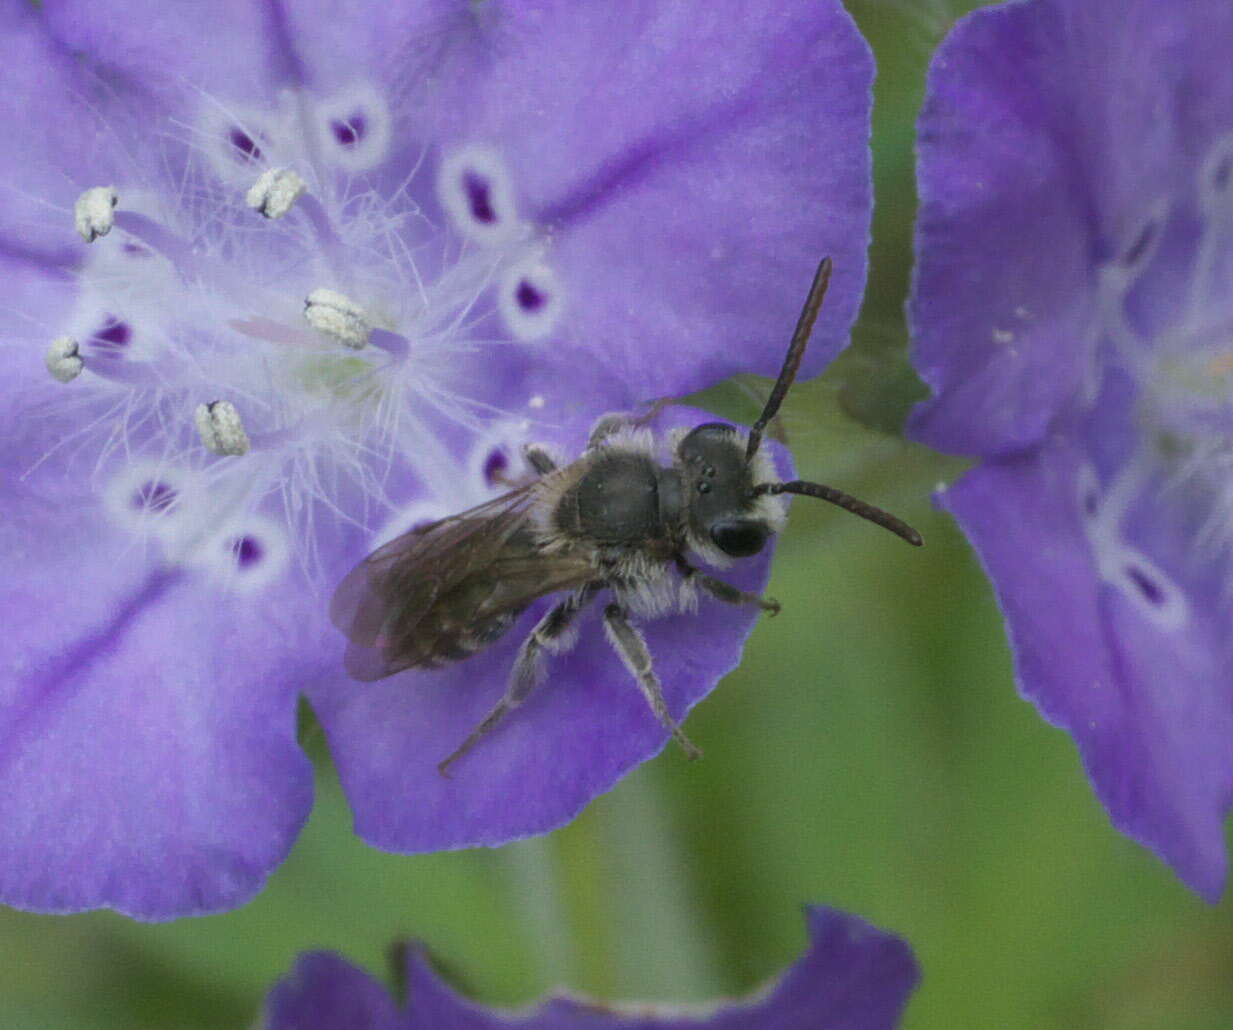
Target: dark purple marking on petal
[(1152, 591), (348, 132), (286, 64), (494, 466), (1222, 174), (478, 190), (55, 681), (112, 337), (1090, 502), (529, 297), (247, 551), (136, 250), (639, 160), (1142, 243), (246, 148), (153, 495), (58, 263)]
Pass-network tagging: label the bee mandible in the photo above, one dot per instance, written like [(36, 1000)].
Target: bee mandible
[(615, 520)]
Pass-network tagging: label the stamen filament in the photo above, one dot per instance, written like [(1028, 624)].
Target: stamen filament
[(159, 238)]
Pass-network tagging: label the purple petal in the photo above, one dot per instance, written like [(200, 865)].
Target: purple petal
[(148, 760), (38, 166), (248, 53), (1001, 318), (1148, 707), (323, 992), (579, 732), (691, 165), (851, 977), (1071, 313), (1046, 137)]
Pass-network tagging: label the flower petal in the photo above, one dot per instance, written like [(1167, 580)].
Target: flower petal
[(1148, 706), (154, 44), (851, 976), (148, 759), (43, 155), (325, 992), (690, 166), (1001, 318)]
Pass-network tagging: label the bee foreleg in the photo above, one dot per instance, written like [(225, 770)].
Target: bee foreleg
[(628, 643), (550, 634), (606, 425), (725, 592)]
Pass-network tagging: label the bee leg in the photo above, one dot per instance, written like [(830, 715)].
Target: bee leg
[(725, 592), (615, 421), (539, 458), (550, 634), (628, 643)]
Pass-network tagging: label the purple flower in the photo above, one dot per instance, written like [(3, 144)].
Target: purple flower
[(342, 260), (852, 977), (1073, 313)]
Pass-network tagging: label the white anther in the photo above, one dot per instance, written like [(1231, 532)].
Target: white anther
[(221, 428), (63, 360), (337, 317), (95, 212), (275, 191)]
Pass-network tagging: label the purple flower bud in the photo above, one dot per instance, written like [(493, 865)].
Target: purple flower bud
[(279, 278), (1072, 312)]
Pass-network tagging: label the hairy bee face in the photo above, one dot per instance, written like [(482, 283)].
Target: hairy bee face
[(719, 493)]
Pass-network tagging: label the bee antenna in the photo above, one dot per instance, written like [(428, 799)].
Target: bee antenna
[(847, 502), (796, 351)]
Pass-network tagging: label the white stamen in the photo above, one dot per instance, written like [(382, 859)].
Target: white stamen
[(334, 315), (95, 212), (63, 360), (275, 191), (221, 428)]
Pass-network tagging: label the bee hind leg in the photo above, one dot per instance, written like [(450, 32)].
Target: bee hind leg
[(629, 644), (550, 634)]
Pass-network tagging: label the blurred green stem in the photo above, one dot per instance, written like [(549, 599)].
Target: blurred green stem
[(535, 882), (664, 947)]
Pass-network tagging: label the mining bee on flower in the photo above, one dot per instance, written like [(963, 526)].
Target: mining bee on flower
[(614, 521)]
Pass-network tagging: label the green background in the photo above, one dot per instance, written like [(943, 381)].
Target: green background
[(871, 753)]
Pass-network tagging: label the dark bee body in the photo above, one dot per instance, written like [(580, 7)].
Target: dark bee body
[(615, 520)]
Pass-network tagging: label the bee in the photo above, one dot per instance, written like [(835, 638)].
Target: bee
[(614, 522)]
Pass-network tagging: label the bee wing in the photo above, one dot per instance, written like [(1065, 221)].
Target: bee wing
[(405, 576), (445, 590)]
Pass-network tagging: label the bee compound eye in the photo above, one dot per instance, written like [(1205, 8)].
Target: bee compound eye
[(740, 538)]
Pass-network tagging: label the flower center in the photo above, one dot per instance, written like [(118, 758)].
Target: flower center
[(273, 333), (1167, 312)]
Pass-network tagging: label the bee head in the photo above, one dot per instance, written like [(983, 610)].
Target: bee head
[(719, 492), (725, 508)]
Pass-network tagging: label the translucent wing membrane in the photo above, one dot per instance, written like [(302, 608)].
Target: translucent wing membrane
[(440, 593)]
